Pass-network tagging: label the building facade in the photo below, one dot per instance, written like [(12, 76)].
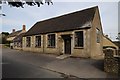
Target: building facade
[(108, 43), (13, 37), (78, 34)]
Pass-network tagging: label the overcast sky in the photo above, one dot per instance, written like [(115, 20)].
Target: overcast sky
[(16, 17)]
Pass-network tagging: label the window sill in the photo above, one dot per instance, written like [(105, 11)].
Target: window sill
[(51, 47), (98, 42), (78, 47), (38, 47), (28, 46)]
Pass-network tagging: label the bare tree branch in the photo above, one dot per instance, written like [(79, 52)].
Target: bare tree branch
[(20, 3), (48, 2), (2, 15), (38, 2)]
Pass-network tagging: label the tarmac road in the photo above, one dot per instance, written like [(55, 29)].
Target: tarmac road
[(22, 64), (14, 68)]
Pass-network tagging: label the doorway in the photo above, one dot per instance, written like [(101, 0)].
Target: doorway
[(67, 44)]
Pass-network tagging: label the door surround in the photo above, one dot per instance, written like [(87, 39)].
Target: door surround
[(66, 43)]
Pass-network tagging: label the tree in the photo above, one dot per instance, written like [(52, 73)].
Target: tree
[(3, 37), (6, 33), (20, 3)]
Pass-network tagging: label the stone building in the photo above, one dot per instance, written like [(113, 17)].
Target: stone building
[(18, 41), (14, 34), (78, 34), (108, 43)]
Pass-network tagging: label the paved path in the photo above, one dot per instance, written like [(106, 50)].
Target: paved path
[(82, 68)]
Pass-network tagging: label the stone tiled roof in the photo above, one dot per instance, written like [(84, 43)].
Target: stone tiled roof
[(70, 21), (14, 33)]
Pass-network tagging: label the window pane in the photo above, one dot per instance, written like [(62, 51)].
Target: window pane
[(38, 41), (28, 41), (79, 40), (51, 40), (98, 35)]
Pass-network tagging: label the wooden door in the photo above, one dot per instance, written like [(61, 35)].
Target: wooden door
[(67, 46)]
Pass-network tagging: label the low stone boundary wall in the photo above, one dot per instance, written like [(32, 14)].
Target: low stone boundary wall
[(111, 61)]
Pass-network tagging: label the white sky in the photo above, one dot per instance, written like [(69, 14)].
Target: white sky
[(16, 17)]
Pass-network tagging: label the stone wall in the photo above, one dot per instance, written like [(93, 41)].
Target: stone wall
[(111, 62)]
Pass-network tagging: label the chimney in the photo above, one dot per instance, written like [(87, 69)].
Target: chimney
[(24, 28), (13, 30)]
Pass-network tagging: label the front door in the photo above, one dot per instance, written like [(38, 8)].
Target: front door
[(67, 46), (67, 43)]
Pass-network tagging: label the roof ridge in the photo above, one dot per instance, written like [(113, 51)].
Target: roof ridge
[(69, 13)]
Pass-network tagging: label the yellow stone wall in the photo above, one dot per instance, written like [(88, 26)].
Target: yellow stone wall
[(85, 50), (32, 48), (96, 48), (59, 48), (91, 47)]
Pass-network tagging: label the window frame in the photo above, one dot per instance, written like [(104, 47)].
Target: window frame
[(39, 43), (15, 44), (51, 43), (78, 44), (97, 35), (28, 44)]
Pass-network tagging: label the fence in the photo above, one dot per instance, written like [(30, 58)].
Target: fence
[(112, 61)]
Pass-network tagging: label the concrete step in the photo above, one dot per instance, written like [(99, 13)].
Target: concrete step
[(63, 56)]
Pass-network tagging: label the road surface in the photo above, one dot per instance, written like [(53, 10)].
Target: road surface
[(22, 64), (14, 67)]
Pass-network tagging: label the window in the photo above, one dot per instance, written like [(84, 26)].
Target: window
[(38, 41), (28, 41), (98, 35), (79, 40), (15, 44), (19, 44), (51, 40)]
